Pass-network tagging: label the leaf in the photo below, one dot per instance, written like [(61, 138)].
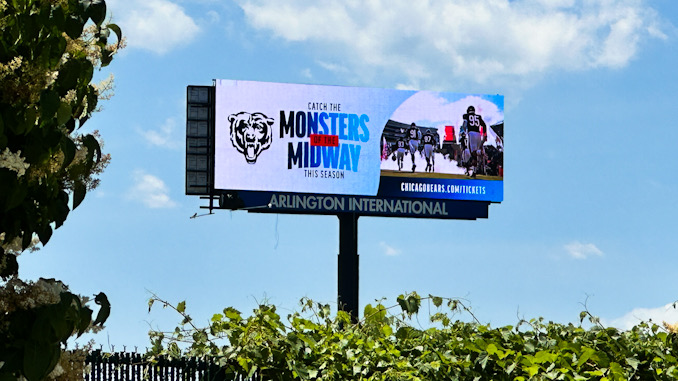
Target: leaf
[(437, 301), (49, 103), (45, 234), (68, 76), (61, 209), (482, 360), (68, 148), (585, 356), (39, 359), (64, 113), (85, 320), (387, 330), (79, 191), (402, 302), (93, 148), (97, 11), (106, 56), (26, 240), (86, 74), (413, 303), (368, 311), (491, 349), (633, 363), (30, 117), (116, 29), (251, 372), (74, 26), (453, 305), (181, 307), (409, 304), (105, 309), (532, 370), (617, 371), (232, 314), (16, 196)]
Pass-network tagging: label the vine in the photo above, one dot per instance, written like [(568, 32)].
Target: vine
[(313, 344)]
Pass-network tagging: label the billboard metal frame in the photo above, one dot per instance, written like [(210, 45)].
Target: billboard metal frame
[(200, 154)]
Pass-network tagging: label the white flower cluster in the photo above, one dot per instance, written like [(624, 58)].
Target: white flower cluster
[(16, 294), (51, 77), (14, 162), (11, 66), (44, 292), (49, 291), (80, 155), (70, 96), (105, 84)]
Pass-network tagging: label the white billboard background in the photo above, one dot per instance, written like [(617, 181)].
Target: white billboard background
[(270, 172)]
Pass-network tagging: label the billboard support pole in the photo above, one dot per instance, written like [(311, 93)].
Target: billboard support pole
[(348, 264)]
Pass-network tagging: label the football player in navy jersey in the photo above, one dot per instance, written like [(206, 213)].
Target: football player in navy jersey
[(400, 152), (414, 135), (429, 143), (475, 129)]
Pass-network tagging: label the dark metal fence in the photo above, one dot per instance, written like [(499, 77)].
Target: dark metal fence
[(124, 366)]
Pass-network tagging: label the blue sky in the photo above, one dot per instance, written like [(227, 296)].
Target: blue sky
[(590, 171)]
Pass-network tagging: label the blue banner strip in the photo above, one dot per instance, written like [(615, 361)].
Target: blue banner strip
[(443, 189)]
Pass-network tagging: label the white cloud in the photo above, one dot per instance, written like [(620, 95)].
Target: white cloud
[(213, 17), (307, 73), (389, 250), (333, 67), (163, 136), (658, 315), (155, 25), (451, 40), (428, 107), (150, 191), (580, 250)]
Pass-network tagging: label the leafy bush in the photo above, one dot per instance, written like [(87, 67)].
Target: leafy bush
[(49, 50), (315, 345)]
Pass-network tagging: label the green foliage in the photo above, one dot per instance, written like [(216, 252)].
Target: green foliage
[(48, 53), (49, 50), (384, 345), (34, 344), (35, 320)]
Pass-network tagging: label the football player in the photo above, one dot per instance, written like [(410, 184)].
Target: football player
[(400, 152), (414, 135), (475, 128), (429, 142)]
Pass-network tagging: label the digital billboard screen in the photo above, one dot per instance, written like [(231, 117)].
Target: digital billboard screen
[(334, 140)]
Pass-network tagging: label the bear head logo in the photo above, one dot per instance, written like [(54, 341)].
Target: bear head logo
[(251, 134)]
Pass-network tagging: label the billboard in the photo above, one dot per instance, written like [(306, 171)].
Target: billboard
[(349, 141)]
